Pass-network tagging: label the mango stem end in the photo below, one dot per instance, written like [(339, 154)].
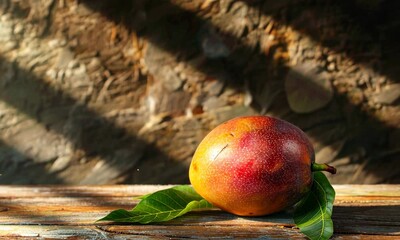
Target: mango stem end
[(322, 167)]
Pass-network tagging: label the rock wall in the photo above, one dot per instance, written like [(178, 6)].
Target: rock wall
[(95, 92)]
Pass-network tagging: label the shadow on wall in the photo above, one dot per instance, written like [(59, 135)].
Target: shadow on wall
[(295, 87), (350, 127), (64, 122), (351, 28), (363, 31), (18, 168)]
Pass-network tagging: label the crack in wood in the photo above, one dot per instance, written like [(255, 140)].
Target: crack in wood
[(140, 233)]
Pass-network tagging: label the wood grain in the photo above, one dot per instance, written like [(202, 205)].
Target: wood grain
[(360, 212)]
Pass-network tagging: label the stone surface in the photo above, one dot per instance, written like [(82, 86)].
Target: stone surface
[(389, 95), (212, 44), (117, 93), (328, 153), (104, 172), (307, 88)]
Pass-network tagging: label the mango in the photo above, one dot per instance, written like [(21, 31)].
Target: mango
[(254, 166)]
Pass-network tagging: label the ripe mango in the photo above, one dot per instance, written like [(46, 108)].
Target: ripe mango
[(253, 166)]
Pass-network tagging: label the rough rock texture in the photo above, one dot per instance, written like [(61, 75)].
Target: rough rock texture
[(98, 92)]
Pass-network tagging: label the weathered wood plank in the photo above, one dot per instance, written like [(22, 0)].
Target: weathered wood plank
[(361, 211), (367, 220), (159, 232), (382, 190), (78, 190)]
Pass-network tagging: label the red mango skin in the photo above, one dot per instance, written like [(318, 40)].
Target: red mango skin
[(253, 166)]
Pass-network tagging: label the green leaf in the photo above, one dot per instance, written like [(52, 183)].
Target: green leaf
[(313, 214), (161, 206)]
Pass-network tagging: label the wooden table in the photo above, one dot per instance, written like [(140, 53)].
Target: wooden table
[(360, 212)]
